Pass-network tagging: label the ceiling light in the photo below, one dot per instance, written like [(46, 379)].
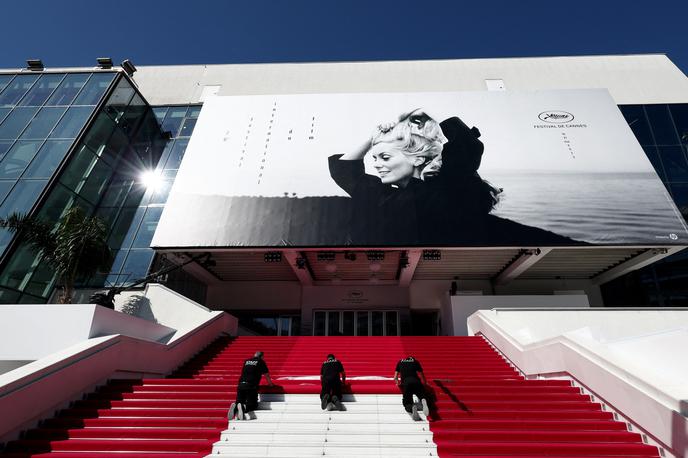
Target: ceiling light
[(432, 255), (272, 256)]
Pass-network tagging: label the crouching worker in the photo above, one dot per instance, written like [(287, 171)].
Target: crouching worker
[(247, 388), (412, 382), (332, 377)]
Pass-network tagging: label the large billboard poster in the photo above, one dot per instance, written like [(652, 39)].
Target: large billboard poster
[(543, 168)]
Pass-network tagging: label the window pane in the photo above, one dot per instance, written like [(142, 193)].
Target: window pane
[(40, 283), (43, 123), (160, 113), (177, 154), (377, 323), (119, 100), (5, 147), (160, 193), (15, 123), (94, 90), (187, 128), (148, 226), (3, 113), (130, 228), (348, 323), (8, 296), (70, 87), (661, 124), (100, 132), (137, 264), (635, 117), (653, 156), (5, 187), (319, 324), (96, 182), (117, 192), (284, 326), (72, 122), (296, 326), (22, 197), (133, 115), (49, 157), (362, 323), (78, 169), (15, 274), (120, 226), (16, 89), (391, 324), (174, 118), (59, 199), (18, 158), (333, 324), (193, 112), (40, 91), (680, 114), (264, 326), (4, 81), (5, 238), (674, 162)]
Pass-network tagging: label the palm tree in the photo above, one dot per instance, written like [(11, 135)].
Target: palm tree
[(76, 247)]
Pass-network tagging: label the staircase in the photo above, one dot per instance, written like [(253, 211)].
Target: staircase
[(483, 408)]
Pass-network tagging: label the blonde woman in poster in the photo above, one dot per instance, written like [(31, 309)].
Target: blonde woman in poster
[(427, 189)]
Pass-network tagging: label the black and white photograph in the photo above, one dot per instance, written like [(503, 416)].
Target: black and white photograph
[(474, 169)]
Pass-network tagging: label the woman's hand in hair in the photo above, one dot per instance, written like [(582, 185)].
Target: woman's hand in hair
[(384, 128)]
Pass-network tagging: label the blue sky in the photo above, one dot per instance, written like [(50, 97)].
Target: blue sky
[(75, 32)]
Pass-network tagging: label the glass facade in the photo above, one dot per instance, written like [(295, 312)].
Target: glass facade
[(662, 131), (40, 117), (54, 116), (134, 257)]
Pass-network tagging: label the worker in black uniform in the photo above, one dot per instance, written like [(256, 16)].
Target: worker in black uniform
[(332, 377), (247, 388), (412, 382)]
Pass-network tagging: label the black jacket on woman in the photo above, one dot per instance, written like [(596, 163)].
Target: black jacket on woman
[(451, 208)]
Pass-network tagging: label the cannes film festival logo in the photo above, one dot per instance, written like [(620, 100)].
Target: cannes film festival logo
[(556, 117)]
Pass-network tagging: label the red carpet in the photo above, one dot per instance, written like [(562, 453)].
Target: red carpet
[(482, 408)]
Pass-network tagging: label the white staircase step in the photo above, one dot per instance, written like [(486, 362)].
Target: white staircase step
[(291, 426), (353, 407), (250, 427), (419, 439), (315, 399), (311, 451), (326, 417)]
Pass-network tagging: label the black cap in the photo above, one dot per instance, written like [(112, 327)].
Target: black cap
[(330, 356)]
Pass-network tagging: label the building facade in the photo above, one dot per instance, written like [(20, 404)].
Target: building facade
[(87, 136)]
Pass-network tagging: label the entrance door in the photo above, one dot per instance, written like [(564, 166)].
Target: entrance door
[(356, 323)]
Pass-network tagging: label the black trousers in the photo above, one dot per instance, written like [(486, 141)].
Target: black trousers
[(333, 387), (248, 397), (411, 387)]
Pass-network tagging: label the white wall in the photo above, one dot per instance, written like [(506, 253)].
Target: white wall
[(463, 306), (165, 306), (639, 79), (74, 357), (635, 360), (30, 332)]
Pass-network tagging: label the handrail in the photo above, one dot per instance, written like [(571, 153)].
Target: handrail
[(57, 366)]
